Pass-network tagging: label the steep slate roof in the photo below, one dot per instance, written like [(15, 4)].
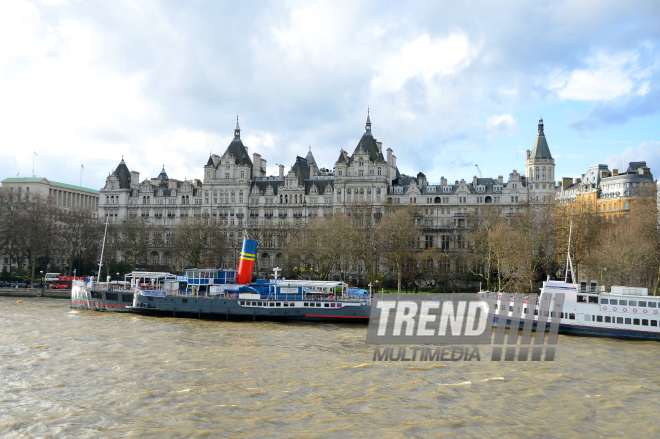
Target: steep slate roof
[(310, 158), (123, 174), (301, 169), (368, 144), (541, 150), (210, 162), (263, 185), (321, 185), (239, 152), (163, 175)]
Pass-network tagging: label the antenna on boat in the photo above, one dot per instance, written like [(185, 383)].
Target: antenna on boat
[(569, 262), (103, 248)]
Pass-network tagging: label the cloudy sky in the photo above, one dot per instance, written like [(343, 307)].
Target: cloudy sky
[(449, 84)]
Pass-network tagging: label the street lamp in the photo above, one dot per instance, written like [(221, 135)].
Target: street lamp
[(80, 250), (446, 256), (42, 278), (373, 247)]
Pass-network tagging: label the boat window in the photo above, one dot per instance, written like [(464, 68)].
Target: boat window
[(536, 312), (607, 319), (641, 303), (127, 297), (327, 305), (111, 296), (496, 306), (150, 299), (613, 301), (184, 300), (511, 308), (278, 304), (318, 304), (599, 318), (272, 304), (651, 305), (97, 295), (628, 321), (645, 322), (603, 301), (654, 323), (582, 299), (623, 302), (620, 320), (306, 304), (286, 304), (632, 303), (593, 299), (292, 304), (635, 321), (524, 310), (562, 315), (571, 316)]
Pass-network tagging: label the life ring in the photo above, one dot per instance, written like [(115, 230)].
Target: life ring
[(604, 308), (625, 309), (635, 310), (233, 295), (614, 309), (332, 297), (645, 311), (655, 311)]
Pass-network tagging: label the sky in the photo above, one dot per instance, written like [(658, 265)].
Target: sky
[(449, 85)]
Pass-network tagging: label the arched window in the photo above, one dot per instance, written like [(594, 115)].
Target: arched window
[(348, 191), (378, 191), (369, 191), (361, 191)]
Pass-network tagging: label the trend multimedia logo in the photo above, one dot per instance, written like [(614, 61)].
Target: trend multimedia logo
[(468, 320)]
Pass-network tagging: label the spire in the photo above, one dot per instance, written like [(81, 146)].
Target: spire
[(122, 159), (541, 149), (367, 125), (237, 130), (163, 175)]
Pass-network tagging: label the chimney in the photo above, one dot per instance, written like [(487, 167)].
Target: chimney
[(443, 181), (389, 156), (380, 146), (312, 171), (615, 172), (281, 171), (566, 182), (135, 177), (393, 161), (500, 179), (529, 153), (474, 182)]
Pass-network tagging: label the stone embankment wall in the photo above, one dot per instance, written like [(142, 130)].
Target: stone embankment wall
[(36, 292)]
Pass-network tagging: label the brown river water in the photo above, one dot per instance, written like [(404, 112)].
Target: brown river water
[(66, 373)]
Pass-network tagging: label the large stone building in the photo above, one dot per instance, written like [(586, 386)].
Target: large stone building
[(609, 194), (236, 193), (65, 196)]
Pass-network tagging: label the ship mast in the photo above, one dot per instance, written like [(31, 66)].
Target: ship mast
[(569, 262), (102, 249)]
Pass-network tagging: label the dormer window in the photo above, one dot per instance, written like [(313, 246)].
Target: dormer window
[(361, 162)]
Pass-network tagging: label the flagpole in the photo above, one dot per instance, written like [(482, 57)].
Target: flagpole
[(33, 165), (81, 169)]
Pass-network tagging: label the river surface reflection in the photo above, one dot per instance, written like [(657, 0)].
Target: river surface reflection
[(66, 373)]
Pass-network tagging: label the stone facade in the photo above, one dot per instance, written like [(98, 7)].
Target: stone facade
[(236, 193)]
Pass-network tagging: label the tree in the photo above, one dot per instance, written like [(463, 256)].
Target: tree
[(37, 224), (197, 243), (9, 226), (398, 236)]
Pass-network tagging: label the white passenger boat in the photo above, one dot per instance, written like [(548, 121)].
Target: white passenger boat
[(622, 312)]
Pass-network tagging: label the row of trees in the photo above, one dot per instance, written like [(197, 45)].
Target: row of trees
[(511, 252)]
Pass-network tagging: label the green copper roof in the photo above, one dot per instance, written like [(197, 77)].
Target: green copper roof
[(52, 183)]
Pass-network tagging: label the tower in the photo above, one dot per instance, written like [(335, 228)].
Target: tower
[(540, 168)]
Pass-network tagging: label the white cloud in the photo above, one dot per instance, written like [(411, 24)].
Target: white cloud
[(607, 77), (648, 152), (426, 58), (500, 125)]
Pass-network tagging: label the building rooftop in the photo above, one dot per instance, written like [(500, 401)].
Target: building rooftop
[(53, 183)]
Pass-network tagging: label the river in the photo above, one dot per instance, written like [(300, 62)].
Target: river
[(67, 373)]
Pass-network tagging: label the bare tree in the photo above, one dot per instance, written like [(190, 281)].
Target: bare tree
[(398, 236), (37, 224)]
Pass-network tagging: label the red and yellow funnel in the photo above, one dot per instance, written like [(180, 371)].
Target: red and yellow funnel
[(246, 263)]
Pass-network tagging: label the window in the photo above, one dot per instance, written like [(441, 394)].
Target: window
[(654, 323), (607, 319), (628, 321), (613, 301), (619, 320), (623, 302), (633, 303), (645, 322), (599, 318), (652, 304), (571, 316), (642, 303), (603, 301)]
